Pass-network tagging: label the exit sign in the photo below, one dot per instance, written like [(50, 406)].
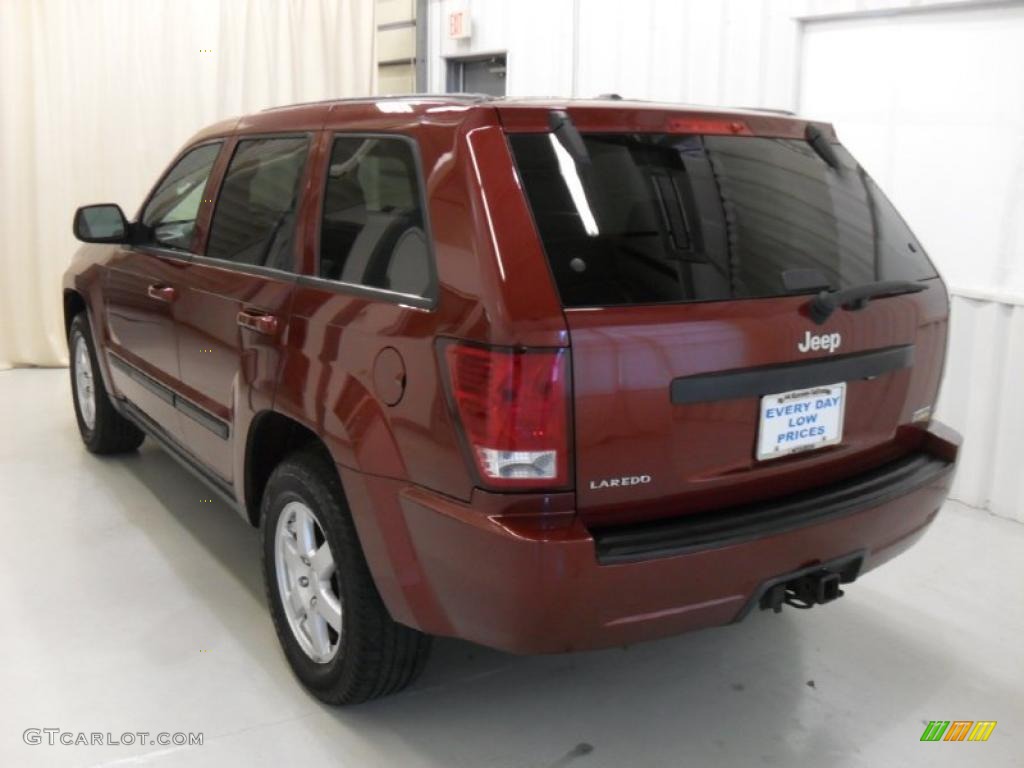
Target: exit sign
[(459, 25)]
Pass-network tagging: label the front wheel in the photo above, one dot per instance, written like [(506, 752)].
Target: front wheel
[(102, 428), (335, 631)]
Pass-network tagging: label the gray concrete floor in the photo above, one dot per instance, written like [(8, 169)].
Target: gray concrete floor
[(130, 604)]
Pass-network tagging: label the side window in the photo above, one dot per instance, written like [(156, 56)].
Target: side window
[(254, 219), (170, 215), (373, 231)]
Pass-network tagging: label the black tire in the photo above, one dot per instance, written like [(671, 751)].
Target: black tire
[(375, 655), (110, 432)]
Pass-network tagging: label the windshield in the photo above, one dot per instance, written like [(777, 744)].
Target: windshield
[(654, 218)]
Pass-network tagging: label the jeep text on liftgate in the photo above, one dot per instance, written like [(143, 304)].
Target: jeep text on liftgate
[(544, 375)]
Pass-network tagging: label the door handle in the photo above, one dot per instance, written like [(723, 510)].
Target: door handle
[(257, 321), (160, 292)]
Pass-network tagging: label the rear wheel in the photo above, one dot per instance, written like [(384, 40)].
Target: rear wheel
[(103, 429), (334, 629)]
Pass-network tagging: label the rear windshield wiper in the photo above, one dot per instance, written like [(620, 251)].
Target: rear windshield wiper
[(825, 303)]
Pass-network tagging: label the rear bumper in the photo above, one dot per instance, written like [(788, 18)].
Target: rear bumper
[(718, 528), (476, 571)]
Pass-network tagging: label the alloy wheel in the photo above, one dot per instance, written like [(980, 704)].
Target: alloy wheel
[(85, 390), (307, 582)]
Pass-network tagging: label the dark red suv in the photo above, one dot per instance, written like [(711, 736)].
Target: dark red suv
[(542, 375)]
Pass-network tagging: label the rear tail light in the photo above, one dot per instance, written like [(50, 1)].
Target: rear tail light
[(513, 406)]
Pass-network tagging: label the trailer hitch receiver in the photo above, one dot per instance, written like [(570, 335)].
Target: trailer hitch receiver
[(804, 591)]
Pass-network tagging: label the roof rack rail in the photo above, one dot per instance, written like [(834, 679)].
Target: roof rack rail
[(775, 110), (469, 97)]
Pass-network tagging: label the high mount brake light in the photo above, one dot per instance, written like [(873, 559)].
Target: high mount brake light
[(514, 409), (708, 125)]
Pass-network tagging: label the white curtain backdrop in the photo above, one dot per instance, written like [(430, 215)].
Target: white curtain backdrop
[(96, 96)]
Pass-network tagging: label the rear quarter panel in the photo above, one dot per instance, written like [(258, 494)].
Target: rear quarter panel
[(493, 287)]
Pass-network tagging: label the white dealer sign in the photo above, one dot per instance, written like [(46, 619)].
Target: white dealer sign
[(800, 420)]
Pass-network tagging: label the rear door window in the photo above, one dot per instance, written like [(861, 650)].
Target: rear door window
[(656, 218), (373, 232), (254, 220)]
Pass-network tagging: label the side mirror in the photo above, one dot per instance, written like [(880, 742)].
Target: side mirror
[(103, 223)]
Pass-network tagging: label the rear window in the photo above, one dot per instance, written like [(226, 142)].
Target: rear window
[(654, 218), (372, 232)]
